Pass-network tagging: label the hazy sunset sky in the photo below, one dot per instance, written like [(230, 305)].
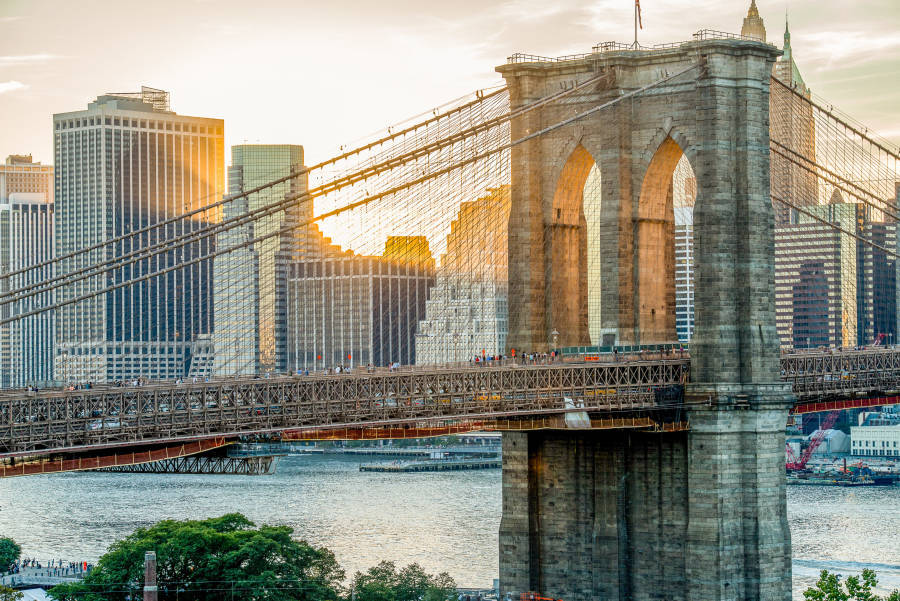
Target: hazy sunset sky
[(325, 73)]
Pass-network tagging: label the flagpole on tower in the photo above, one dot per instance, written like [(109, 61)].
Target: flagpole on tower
[(637, 21)]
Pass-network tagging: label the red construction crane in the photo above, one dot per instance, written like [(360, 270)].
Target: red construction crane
[(793, 463)]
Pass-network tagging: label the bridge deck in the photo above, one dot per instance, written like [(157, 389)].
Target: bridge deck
[(65, 420), (109, 416)]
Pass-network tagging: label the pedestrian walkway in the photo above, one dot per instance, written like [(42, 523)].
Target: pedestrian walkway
[(43, 576)]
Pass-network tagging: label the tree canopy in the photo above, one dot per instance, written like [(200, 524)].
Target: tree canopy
[(385, 583), (9, 594), (224, 558), (9, 552), (830, 588)]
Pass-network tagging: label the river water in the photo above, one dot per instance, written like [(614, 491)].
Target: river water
[(445, 521)]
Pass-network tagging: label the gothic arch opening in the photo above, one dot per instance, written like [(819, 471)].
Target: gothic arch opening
[(663, 260), (566, 253), (592, 215)]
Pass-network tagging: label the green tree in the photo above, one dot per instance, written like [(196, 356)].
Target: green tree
[(225, 558), (9, 552), (385, 583), (9, 594), (830, 588)]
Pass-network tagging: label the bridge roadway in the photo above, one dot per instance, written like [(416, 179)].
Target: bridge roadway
[(56, 421)]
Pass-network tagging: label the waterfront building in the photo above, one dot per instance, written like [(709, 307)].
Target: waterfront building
[(358, 310), (467, 312), (125, 163), (875, 441), (26, 238), (250, 329), (833, 442)]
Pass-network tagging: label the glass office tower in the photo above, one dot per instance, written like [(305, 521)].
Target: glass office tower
[(125, 163), (249, 333)]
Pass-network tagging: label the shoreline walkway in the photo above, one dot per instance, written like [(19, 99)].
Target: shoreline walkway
[(41, 577)]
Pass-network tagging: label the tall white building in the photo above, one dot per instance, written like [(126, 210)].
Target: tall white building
[(684, 273), (467, 313), (26, 238), (125, 163)]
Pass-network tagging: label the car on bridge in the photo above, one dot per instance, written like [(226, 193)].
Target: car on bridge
[(103, 424)]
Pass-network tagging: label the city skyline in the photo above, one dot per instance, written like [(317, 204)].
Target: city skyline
[(418, 59)]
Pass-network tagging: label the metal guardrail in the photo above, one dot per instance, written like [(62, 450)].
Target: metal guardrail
[(612, 46), (95, 418), (113, 417)]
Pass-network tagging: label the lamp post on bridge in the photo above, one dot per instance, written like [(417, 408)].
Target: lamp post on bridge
[(554, 341)]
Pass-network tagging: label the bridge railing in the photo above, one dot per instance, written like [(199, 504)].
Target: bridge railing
[(842, 373), (95, 417)]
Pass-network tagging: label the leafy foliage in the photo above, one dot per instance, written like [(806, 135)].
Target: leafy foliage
[(9, 552), (225, 558), (385, 583), (9, 594), (855, 588)]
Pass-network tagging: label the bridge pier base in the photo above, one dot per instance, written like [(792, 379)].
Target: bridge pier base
[(635, 515)]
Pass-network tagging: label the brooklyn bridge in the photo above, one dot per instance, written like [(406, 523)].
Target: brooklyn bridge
[(653, 473)]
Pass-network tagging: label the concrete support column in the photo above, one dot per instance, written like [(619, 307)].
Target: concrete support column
[(527, 277), (738, 540), (594, 515), (150, 588)]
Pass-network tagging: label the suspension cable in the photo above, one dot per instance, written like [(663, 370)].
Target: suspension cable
[(166, 245), (301, 171), (365, 201)]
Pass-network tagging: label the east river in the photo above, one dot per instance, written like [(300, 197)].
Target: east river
[(445, 521)]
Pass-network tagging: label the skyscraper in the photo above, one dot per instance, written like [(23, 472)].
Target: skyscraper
[(249, 283), (26, 238), (684, 273), (467, 312), (753, 24), (355, 310), (836, 287), (125, 163), (817, 278), (792, 124)]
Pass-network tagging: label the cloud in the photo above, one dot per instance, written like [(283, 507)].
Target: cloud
[(11, 86), (828, 49), (26, 59)]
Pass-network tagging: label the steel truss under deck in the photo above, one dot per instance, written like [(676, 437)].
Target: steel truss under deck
[(90, 420), (203, 464), (86, 419)]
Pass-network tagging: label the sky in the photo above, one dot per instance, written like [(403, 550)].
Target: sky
[(328, 73)]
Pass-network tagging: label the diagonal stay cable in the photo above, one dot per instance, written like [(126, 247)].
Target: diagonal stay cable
[(833, 226), (264, 210), (831, 115), (835, 179), (269, 184), (357, 204)]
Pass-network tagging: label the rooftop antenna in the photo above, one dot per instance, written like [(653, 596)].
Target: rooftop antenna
[(637, 22)]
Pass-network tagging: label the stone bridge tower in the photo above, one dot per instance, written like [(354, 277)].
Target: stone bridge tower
[(620, 514)]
